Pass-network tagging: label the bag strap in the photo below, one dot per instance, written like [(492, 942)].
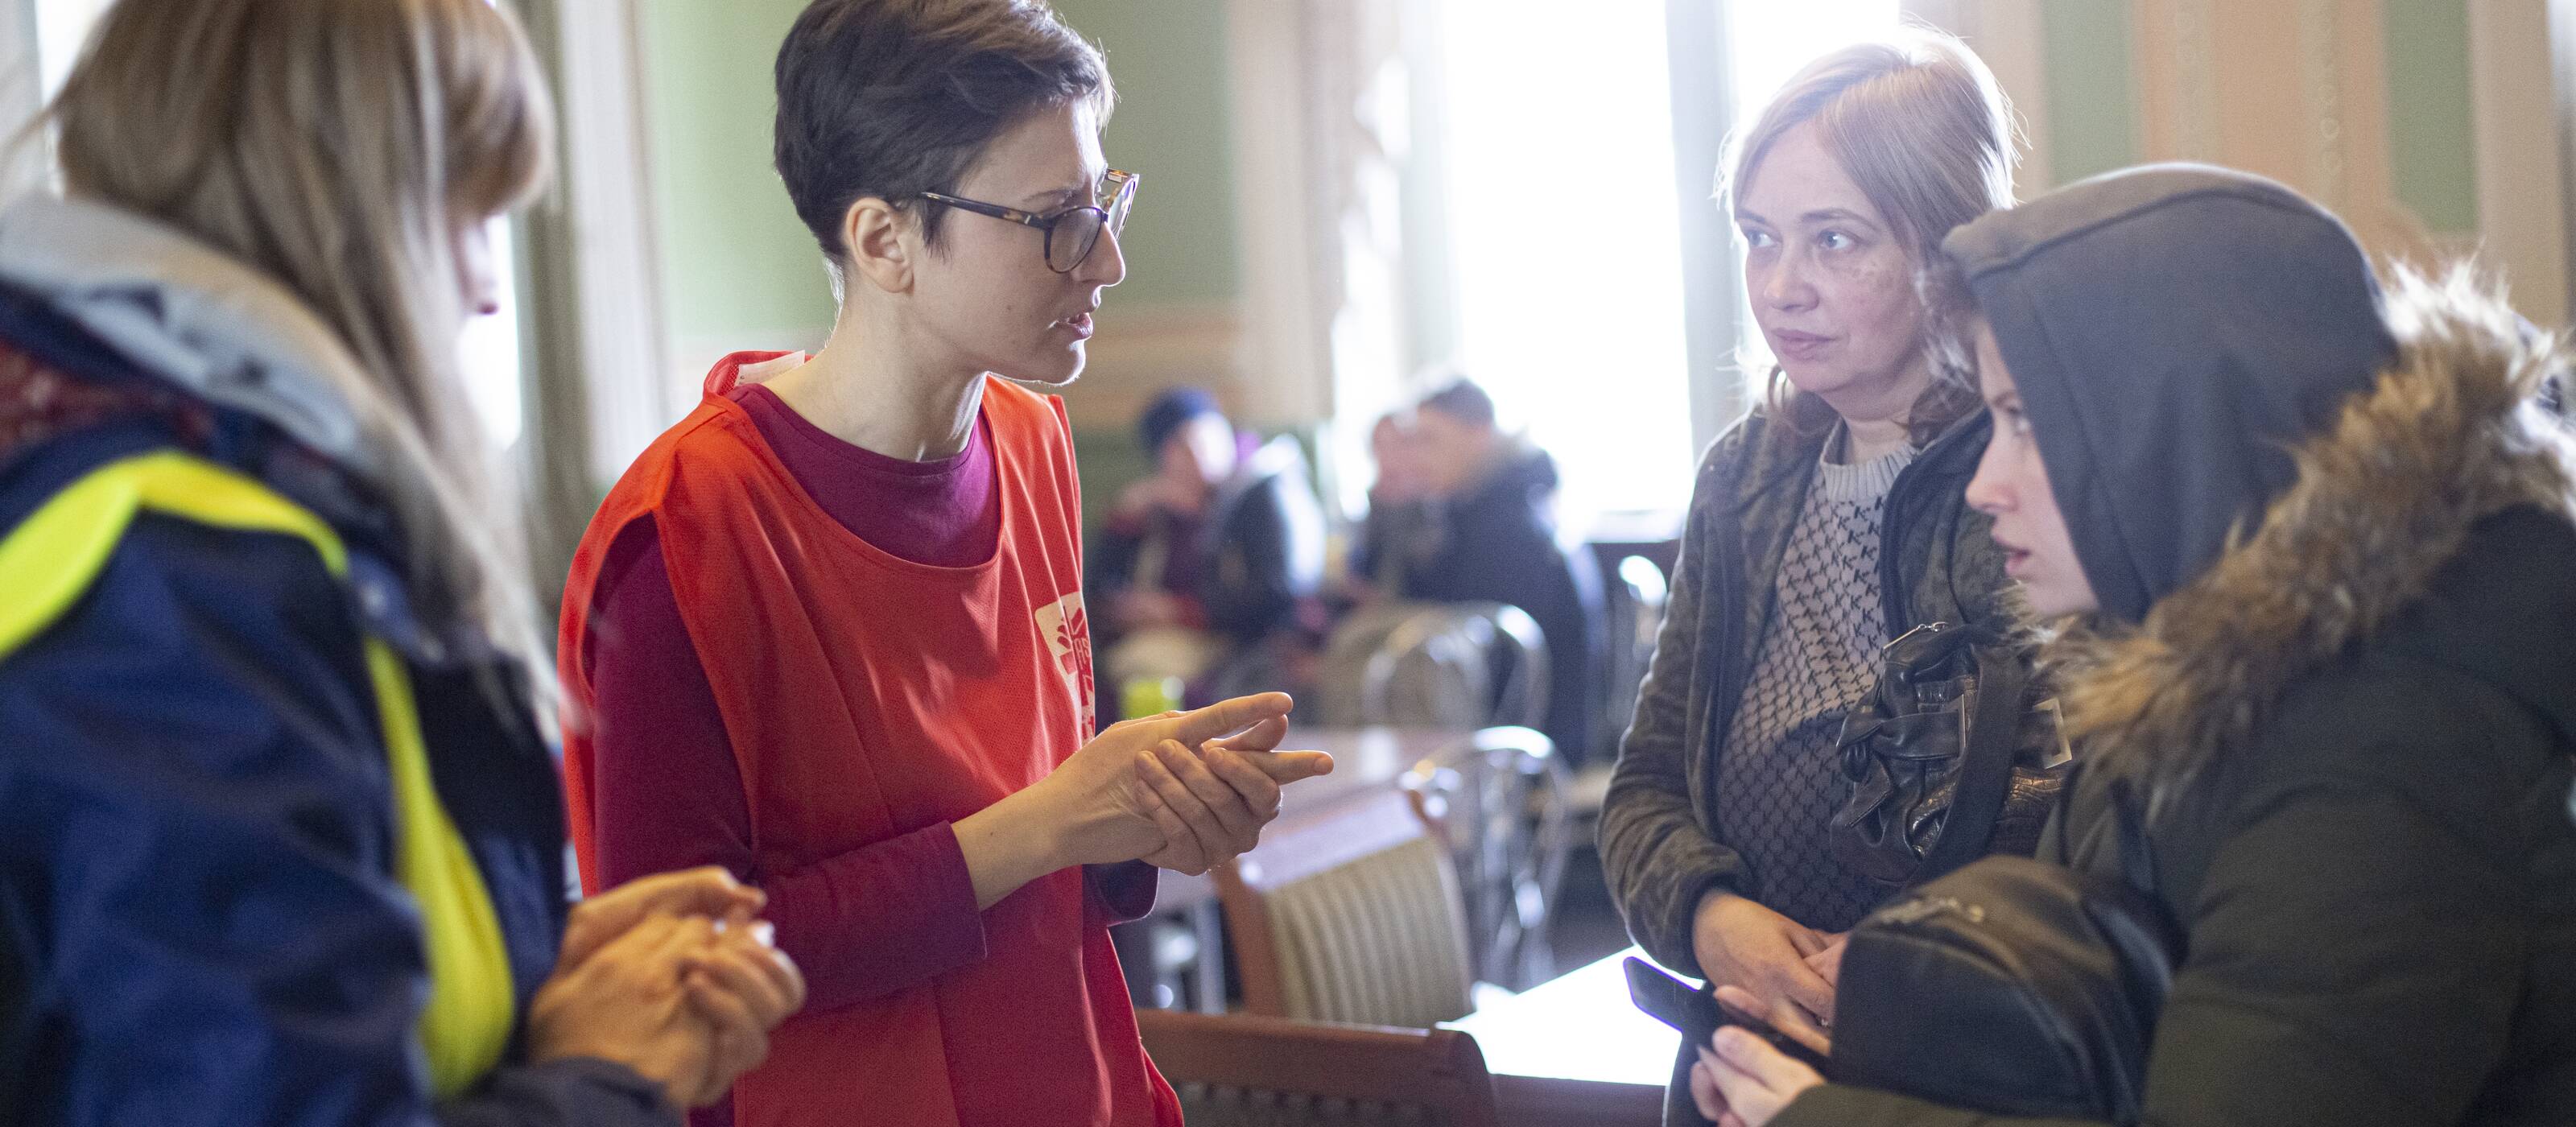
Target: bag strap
[(1986, 761)]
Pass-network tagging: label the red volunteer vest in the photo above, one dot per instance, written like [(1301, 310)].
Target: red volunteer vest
[(866, 697)]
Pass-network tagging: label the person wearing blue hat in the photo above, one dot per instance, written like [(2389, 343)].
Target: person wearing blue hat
[(1205, 567)]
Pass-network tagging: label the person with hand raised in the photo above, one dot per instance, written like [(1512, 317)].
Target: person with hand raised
[(829, 632)]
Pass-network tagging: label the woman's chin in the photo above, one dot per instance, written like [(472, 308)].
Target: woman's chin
[(1055, 369), (2046, 600), (1815, 379)]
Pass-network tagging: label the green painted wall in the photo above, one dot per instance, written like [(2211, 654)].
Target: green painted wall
[(2093, 128), (2092, 116), (2431, 141), (1174, 125), (738, 270), (1168, 59)]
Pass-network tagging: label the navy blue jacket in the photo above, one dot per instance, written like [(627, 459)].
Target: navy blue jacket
[(199, 921)]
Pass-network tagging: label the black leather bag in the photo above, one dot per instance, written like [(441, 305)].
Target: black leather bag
[(2012, 987), (1946, 761)]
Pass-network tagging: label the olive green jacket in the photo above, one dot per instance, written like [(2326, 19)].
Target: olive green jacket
[(1937, 563)]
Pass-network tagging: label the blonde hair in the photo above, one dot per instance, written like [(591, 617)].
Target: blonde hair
[(338, 146), (1918, 123)]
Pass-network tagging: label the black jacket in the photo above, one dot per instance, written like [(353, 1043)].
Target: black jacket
[(1938, 563), (2357, 719), (1260, 552)]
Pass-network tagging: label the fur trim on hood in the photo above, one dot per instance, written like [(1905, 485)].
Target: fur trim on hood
[(2453, 432)]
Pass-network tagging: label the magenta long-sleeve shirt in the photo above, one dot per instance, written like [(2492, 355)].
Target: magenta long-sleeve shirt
[(668, 792)]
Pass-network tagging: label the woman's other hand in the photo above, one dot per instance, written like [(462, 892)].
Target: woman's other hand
[(1828, 963), (743, 986), (628, 1003), (707, 891), (1765, 954)]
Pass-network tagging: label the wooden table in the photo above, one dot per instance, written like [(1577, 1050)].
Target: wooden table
[(1575, 1051)]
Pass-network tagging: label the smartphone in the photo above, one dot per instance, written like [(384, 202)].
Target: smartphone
[(1697, 1015)]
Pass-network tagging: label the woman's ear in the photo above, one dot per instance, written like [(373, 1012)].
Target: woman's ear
[(882, 244)]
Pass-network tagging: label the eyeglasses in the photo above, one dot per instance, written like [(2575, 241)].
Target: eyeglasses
[(1072, 232)]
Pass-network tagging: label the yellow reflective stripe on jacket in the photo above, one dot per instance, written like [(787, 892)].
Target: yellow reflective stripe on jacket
[(53, 556)]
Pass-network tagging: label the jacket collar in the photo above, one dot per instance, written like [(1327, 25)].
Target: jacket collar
[(1792, 440), (191, 315), (2451, 433)]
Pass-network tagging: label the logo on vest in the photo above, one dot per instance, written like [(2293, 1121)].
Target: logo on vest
[(1067, 631)]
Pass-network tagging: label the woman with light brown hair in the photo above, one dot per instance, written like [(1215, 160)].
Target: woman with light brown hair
[(1825, 523), (280, 841)]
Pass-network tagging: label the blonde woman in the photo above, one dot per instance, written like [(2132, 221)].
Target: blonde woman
[(279, 840), (1824, 524)]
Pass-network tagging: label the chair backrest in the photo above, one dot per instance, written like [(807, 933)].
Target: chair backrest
[(1455, 665), (1637, 597), (1243, 1070), (1352, 915), (1503, 802)]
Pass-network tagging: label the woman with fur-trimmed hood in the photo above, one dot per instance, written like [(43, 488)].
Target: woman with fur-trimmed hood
[(2327, 538)]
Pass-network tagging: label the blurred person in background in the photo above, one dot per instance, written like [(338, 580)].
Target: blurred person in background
[(1398, 510), (829, 631), (280, 841), (1208, 569), (1465, 511)]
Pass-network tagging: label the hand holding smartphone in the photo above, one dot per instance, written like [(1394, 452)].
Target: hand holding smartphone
[(1697, 1015)]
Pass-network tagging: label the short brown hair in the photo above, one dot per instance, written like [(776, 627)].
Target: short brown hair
[(1917, 121), (893, 98)]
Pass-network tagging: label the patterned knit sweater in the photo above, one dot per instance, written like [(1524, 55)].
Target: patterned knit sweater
[(1777, 784)]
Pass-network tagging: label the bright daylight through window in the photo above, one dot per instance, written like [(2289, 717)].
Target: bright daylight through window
[(1564, 266), (489, 348)]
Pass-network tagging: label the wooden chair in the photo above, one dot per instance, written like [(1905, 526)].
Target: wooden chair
[(1242, 1070), (1352, 915), (1502, 803)]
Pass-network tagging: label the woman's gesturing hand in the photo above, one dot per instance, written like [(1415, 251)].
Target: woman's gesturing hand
[(1114, 806), (1215, 800), (1107, 803)]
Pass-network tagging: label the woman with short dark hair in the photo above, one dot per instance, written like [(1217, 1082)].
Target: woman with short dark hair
[(829, 631)]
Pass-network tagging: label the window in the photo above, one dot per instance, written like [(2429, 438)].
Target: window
[(1564, 273), (489, 348), (1560, 254), (61, 27)]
